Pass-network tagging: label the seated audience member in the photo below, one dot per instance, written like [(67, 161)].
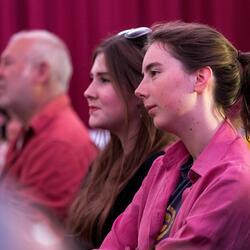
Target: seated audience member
[(196, 196), (53, 151), (134, 142)]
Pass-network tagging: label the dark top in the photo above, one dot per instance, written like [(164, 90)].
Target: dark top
[(126, 195), (174, 202)]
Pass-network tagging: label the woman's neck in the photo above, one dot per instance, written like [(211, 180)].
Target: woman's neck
[(200, 132)]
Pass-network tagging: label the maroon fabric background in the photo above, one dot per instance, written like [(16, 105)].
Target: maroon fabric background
[(83, 23)]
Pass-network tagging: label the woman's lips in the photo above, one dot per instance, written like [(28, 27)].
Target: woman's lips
[(92, 109), (150, 108)]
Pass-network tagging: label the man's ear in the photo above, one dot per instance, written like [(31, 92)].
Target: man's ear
[(43, 72), (203, 76)]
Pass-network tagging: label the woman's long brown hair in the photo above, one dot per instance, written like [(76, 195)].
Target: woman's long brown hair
[(112, 170)]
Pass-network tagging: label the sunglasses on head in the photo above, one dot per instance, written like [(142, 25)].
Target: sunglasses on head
[(135, 32)]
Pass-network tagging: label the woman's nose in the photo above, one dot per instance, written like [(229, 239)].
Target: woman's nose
[(140, 91)]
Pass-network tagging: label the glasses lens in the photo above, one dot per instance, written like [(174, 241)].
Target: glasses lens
[(135, 33)]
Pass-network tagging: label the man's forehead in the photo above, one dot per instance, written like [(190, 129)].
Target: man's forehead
[(18, 46)]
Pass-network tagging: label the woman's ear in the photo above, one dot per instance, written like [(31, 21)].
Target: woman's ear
[(202, 79)]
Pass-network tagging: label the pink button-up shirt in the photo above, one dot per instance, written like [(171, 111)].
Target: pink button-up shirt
[(215, 210)]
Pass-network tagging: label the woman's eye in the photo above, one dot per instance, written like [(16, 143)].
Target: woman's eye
[(153, 73), (104, 80)]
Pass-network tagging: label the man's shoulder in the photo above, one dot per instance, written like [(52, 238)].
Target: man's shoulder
[(64, 124)]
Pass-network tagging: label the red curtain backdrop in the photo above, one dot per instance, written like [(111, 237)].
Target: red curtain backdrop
[(83, 23)]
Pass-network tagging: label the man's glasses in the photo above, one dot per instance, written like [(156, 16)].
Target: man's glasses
[(135, 32)]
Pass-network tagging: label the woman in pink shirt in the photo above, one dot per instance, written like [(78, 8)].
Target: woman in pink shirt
[(197, 196)]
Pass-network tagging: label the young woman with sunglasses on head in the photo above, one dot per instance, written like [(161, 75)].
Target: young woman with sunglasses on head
[(121, 167), (196, 196)]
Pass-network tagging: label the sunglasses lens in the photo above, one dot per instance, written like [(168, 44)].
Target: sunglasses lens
[(135, 33)]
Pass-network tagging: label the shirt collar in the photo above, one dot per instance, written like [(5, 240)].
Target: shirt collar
[(177, 154), (217, 148)]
